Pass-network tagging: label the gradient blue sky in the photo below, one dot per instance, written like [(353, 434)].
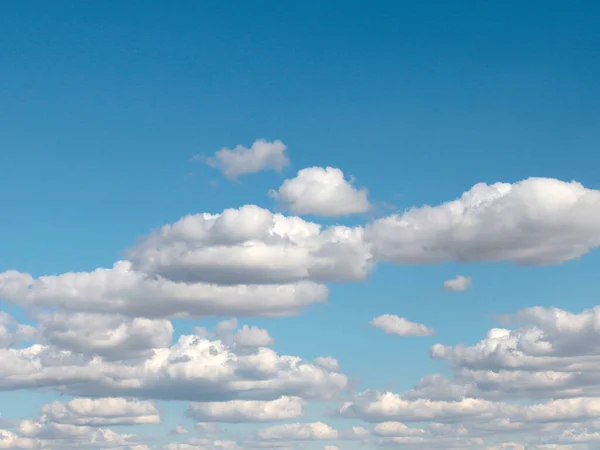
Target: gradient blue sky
[(105, 103)]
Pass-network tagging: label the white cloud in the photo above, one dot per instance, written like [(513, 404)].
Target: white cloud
[(192, 369), (322, 192), (262, 155), (419, 442), (458, 284), (242, 262), (180, 429), (121, 290), (550, 339), (207, 428), (533, 382), (535, 221), (238, 411), (552, 359), (399, 326), (45, 434), (329, 363), (299, 432), (101, 412), (506, 446), (251, 245), (252, 337), (553, 354), (354, 433), (243, 338), (438, 387), (204, 444), (10, 440), (373, 406), (110, 336), (396, 429)]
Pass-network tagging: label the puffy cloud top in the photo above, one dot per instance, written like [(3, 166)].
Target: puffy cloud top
[(299, 432), (534, 221), (251, 245), (322, 192), (236, 411)]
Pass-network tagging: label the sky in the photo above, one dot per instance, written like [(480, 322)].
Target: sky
[(300, 225)]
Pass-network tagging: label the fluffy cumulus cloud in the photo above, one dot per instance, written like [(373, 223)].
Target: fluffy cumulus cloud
[(242, 262), (105, 342), (242, 337), (101, 412), (10, 440), (399, 326), (237, 411), (44, 433), (535, 221), (251, 245), (299, 432), (458, 284), (203, 444), (323, 192), (535, 382), (435, 435), (122, 290), (253, 337), (396, 429), (192, 369), (467, 422), (552, 353), (252, 385), (110, 336), (262, 155), (384, 407)]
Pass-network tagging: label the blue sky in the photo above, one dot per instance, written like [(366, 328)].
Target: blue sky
[(105, 105)]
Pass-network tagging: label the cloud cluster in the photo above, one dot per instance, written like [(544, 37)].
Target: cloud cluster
[(105, 337), (555, 353), (242, 262), (81, 423), (249, 261), (537, 382), (194, 368), (230, 379)]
